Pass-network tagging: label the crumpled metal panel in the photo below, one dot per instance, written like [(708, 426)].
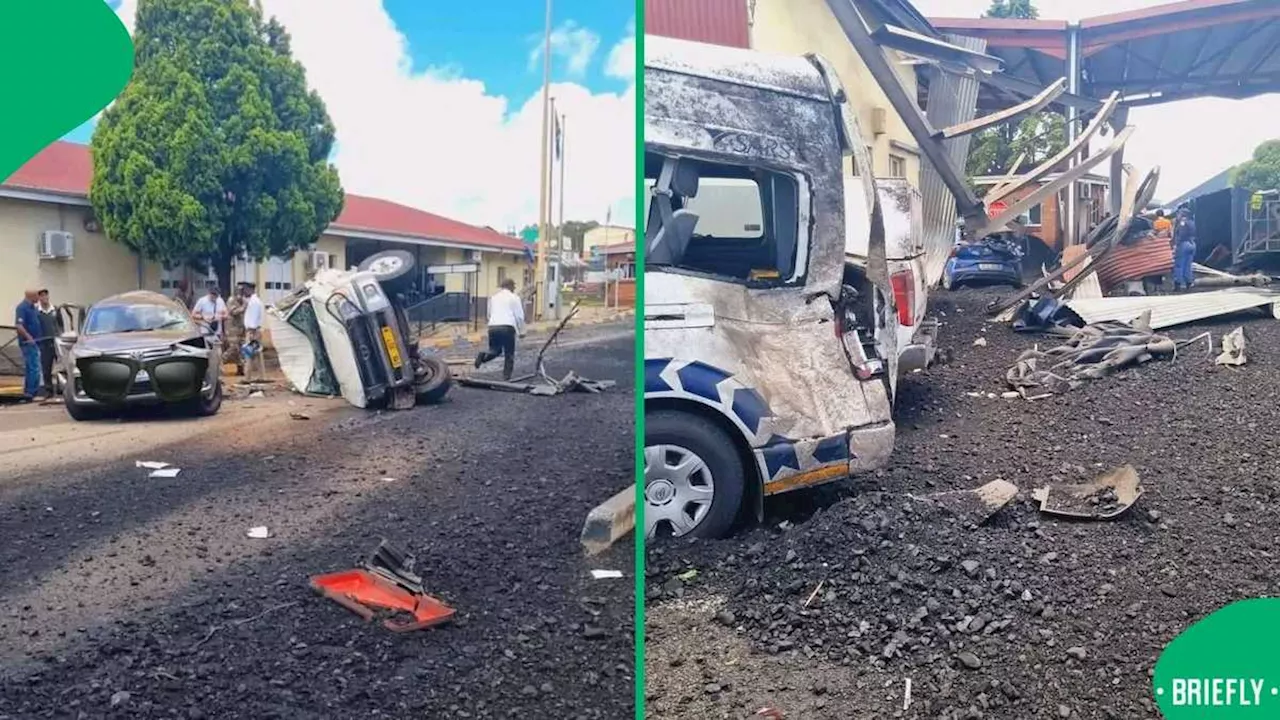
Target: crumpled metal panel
[(795, 361), (953, 99), (1145, 258), (1173, 310), (752, 68)]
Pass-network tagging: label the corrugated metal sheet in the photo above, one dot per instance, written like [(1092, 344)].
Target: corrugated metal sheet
[(1088, 287), (953, 99), (718, 22), (1172, 310), (1145, 258)]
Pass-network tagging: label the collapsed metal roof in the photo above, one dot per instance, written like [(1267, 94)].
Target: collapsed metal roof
[(1176, 51)]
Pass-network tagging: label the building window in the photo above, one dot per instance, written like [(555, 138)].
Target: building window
[(502, 275), (897, 166), (1035, 216)]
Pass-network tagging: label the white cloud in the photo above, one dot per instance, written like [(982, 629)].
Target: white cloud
[(622, 60), (576, 45), (1190, 140), (436, 139)]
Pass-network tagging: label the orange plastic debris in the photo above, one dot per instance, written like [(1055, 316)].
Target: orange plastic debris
[(357, 590)]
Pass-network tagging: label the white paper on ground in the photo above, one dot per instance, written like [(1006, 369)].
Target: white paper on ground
[(151, 464), (606, 574), (165, 472), (259, 532)]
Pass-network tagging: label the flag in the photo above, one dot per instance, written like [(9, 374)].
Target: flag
[(557, 134)]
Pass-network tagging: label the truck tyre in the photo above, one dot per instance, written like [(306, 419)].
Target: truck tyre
[(694, 477), (393, 268), (202, 407), (432, 379)]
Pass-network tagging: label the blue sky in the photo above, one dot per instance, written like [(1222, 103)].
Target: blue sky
[(481, 43)]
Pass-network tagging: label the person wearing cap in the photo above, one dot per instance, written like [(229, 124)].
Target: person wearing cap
[(1184, 248)]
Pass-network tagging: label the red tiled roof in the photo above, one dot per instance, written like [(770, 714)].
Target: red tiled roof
[(66, 168)]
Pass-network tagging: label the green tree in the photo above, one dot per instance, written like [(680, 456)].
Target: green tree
[(216, 148), (1262, 171), (1040, 136)]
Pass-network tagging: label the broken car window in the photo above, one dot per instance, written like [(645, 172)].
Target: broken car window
[(745, 224)]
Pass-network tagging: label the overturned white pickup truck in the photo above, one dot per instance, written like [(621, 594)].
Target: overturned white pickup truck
[(346, 333)]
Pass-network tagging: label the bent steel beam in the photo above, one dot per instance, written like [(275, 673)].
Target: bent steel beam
[(1078, 171), (1069, 151), (1018, 86), (1031, 105), (1010, 177), (855, 29)]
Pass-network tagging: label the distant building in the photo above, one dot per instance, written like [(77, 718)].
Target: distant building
[(606, 235), (1047, 220)]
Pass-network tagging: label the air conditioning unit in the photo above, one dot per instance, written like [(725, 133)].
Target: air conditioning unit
[(474, 256), (320, 260), (56, 245)]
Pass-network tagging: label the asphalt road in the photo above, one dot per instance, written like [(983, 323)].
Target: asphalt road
[(135, 597)]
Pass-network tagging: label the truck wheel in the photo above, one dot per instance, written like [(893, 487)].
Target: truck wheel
[(693, 477), (200, 407), (432, 379), (393, 268)]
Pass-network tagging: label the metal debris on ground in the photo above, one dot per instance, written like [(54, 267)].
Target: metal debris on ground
[(606, 574), (1092, 352), (1173, 310), (387, 582), (976, 505), (299, 416), (1233, 349), (540, 382), (1107, 497)]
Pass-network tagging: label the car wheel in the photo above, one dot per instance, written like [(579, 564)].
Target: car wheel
[(393, 268), (694, 479), (432, 379), (77, 412), (203, 407)]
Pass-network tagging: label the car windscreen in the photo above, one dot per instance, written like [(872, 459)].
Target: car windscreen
[(107, 319)]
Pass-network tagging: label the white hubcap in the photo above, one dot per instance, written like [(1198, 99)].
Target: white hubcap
[(678, 489)]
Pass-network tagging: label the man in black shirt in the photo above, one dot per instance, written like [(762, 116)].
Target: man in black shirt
[(50, 329)]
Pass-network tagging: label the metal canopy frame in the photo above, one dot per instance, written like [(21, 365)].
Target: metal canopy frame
[(850, 15)]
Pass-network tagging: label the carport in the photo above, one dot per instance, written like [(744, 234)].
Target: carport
[(1162, 54)]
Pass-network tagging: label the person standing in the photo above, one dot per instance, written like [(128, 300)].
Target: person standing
[(1184, 249), (506, 322), (50, 329), (27, 324), (212, 310), (235, 330), (1162, 225), (253, 329)]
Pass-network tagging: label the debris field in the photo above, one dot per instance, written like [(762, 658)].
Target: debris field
[(878, 605)]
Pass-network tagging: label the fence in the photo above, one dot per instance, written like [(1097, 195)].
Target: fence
[(450, 307)]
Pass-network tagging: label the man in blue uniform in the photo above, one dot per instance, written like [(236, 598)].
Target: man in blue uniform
[(1184, 249), (27, 322)]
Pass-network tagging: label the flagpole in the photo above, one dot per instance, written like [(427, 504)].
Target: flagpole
[(562, 122), (540, 269)]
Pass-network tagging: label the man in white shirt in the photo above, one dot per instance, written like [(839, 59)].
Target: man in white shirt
[(211, 309), (506, 321), (253, 329)]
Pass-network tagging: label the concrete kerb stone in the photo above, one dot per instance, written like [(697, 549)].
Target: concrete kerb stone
[(609, 521)]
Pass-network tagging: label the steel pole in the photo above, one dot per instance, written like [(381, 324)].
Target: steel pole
[(540, 269), (1072, 230)]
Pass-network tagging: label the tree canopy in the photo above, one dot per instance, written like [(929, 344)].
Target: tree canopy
[(216, 148), (1262, 172), (1040, 136)]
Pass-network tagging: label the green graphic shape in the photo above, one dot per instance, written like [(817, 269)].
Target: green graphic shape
[(1225, 666), (63, 61)]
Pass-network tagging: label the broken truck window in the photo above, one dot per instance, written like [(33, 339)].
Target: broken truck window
[(745, 221)]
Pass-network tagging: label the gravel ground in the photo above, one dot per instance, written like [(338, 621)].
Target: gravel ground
[(130, 597), (848, 592)]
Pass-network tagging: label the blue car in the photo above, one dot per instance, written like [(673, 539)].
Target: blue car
[(994, 260)]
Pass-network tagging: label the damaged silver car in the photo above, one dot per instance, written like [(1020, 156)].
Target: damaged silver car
[(139, 348)]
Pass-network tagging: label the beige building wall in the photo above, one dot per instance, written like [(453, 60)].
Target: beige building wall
[(796, 27), (606, 235), (98, 268)]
